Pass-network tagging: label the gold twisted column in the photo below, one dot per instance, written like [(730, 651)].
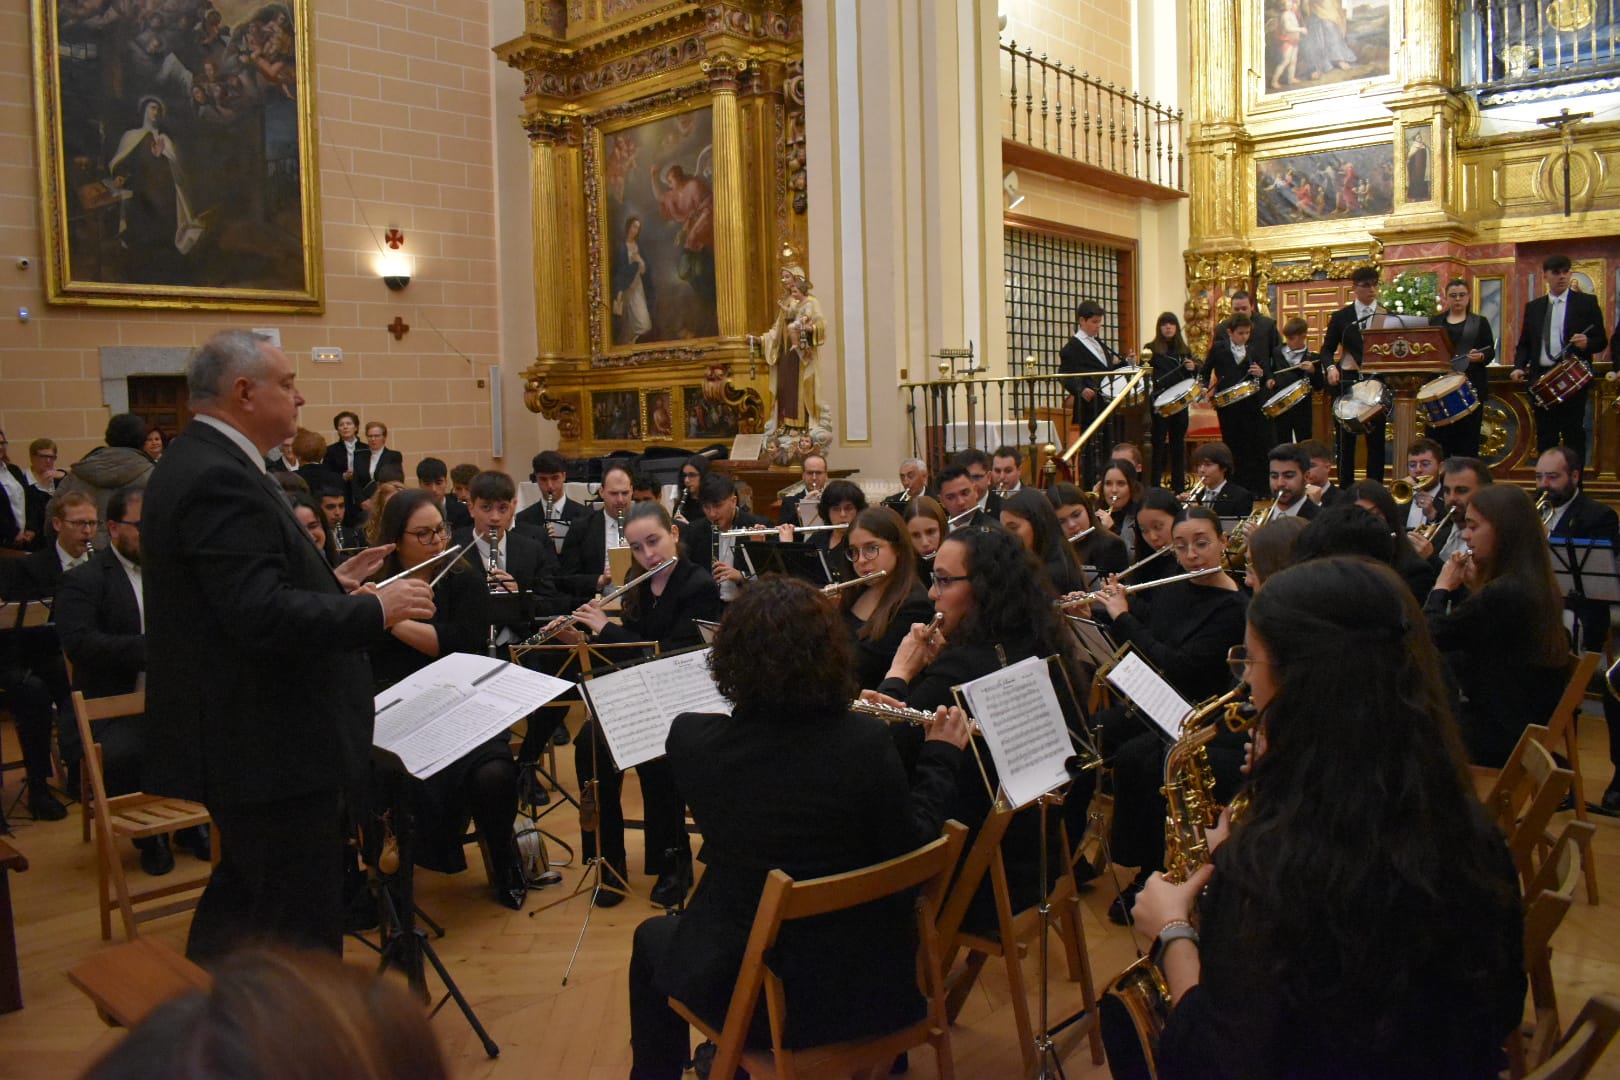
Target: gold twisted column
[(730, 241), (553, 286)]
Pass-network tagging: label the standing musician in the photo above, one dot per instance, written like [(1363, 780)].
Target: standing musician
[(1122, 496), (960, 499), (1172, 363), (1460, 478), (1076, 512), (1341, 348), (1473, 346), (1213, 462), (1264, 337), (926, 522), (1184, 630), (1496, 614), (1564, 323), (483, 782), (554, 513), (1244, 427), (1087, 352), (1289, 364), (721, 556), (665, 610), (1572, 514), (812, 480), (585, 552), (800, 783), (1289, 464), (1333, 937), (1029, 516), (880, 615)]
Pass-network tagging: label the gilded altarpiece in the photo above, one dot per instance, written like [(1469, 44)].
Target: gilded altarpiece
[(666, 157), (1301, 174)]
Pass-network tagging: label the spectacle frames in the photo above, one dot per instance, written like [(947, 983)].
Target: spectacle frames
[(1238, 659), (126, 524), (428, 535), (86, 526), (865, 551), (946, 580)]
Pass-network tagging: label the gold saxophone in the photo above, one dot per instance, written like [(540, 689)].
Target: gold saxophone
[(1191, 810)]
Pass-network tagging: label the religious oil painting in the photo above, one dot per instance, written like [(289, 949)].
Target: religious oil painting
[(659, 422), (707, 419), (1320, 42), (615, 414), (177, 153), (1321, 187), (657, 226)]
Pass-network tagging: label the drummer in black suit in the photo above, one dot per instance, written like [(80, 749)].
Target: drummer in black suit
[(1473, 347), (1244, 427), (1562, 323), (1263, 333), (1086, 352), (1341, 348), (1289, 365)]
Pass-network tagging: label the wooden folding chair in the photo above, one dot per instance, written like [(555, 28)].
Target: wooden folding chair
[(131, 817), (1562, 737), (1548, 898), (1588, 1037), (928, 870), (129, 981), (1525, 796), (1014, 932)]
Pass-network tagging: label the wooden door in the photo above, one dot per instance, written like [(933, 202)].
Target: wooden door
[(162, 400)]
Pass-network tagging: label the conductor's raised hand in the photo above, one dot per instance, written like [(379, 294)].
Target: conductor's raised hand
[(365, 562), (408, 598), (950, 726)]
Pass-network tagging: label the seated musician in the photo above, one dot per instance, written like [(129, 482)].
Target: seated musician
[(841, 501), (1213, 463), (812, 480), (313, 519), (721, 556), (1418, 573), (1155, 520), (1288, 464), (1076, 511), (553, 514), (1319, 483), (880, 615), (925, 521), (1121, 497), (483, 782), (522, 560), (1184, 630), (960, 499), (1271, 550), (1460, 478), (1497, 616), (794, 782), (1028, 515), (664, 610), (1334, 938), (334, 506)]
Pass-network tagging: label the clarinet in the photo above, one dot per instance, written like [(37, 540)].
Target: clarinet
[(494, 540)]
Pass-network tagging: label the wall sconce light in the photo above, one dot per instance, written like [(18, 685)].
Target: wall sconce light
[(1009, 188), (394, 267)]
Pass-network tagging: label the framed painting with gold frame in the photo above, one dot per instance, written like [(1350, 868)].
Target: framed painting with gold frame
[(660, 414), (177, 163), (649, 176), (1488, 296)]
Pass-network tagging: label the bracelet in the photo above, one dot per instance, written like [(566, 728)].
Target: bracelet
[(1177, 930)]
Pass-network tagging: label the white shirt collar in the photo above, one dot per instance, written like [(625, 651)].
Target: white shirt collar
[(67, 561), (1292, 510), (241, 441), (1364, 310)]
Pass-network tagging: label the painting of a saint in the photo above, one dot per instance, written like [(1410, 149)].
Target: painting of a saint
[(1318, 42), (1418, 188), (181, 170), (1350, 183), (658, 182)]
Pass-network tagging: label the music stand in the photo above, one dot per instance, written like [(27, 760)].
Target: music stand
[(797, 559), (1585, 570), (18, 615)]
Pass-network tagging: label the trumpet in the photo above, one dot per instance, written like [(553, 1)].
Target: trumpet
[(1195, 494), (839, 586), (556, 628), (1544, 509), (1089, 597), (1237, 544), (1403, 490), (1428, 532)]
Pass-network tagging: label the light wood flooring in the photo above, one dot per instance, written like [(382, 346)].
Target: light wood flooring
[(511, 966)]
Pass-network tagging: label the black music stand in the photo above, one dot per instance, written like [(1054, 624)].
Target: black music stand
[(15, 617), (797, 559)]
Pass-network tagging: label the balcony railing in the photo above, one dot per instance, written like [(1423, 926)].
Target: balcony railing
[(1073, 115)]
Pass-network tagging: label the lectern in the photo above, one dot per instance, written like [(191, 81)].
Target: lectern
[(1405, 354)]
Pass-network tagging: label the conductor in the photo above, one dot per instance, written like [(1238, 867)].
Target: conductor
[(258, 686)]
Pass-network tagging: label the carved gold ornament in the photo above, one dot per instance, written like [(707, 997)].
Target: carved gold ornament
[(1570, 15)]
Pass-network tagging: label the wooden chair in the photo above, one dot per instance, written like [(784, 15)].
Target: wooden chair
[(130, 817), (1588, 1037), (1015, 932), (928, 869), (1551, 892), (128, 981), (1562, 737), (1524, 797)]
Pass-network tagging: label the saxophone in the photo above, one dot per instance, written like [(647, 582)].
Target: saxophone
[(1140, 991)]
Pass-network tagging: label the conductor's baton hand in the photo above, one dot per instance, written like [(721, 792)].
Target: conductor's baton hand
[(408, 598)]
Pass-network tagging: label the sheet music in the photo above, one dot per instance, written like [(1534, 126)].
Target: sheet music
[(1153, 697), (635, 706), (432, 718), (1017, 711)]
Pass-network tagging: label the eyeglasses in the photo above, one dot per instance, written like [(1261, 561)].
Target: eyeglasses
[(428, 535), (1238, 659), (46, 457), (865, 551), (87, 526), (127, 524), (945, 580)]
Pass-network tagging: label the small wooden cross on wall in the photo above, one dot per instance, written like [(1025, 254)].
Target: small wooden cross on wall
[(399, 328)]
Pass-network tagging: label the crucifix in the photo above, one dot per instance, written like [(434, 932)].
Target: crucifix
[(399, 328), (1563, 123)]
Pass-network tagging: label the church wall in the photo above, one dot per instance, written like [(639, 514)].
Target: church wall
[(403, 105)]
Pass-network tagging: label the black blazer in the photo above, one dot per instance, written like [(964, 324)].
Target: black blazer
[(258, 686), (35, 576), (1309, 510), (697, 539), (1075, 358), (1588, 519), (1278, 368), (365, 470), (1264, 338), (1581, 312), (337, 458), (1473, 333), (1228, 371), (874, 655), (534, 518), (811, 794), (1185, 632), (671, 619), (531, 562), (34, 503), (583, 555), (1168, 370), (1233, 501), (99, 623), (1343, 329)]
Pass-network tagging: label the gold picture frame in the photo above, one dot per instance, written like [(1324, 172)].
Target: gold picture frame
[(178, 163)]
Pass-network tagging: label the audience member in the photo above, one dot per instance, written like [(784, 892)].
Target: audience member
[(107, 468)]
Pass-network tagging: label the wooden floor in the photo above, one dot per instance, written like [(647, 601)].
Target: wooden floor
[(511, 966)]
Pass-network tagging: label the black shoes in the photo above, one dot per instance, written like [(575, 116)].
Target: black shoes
[(157, 858), (43, 805), (195, 842), (614, 876), (1611, 800), (676, 880), (510, 889), (560, 736)]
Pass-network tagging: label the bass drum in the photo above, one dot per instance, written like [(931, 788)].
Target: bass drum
[(1364, 405)]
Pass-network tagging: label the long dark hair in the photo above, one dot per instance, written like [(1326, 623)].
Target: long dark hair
[(296, 499), (1012, 600), (1373, 492), (1177, 344), (391, 526), (1521, 557), (1362, 838), (1050, 544), (885, 524)]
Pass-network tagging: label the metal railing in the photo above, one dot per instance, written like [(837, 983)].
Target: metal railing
[(1511, 44), (1071, 114)]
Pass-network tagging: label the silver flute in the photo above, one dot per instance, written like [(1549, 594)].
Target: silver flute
[(840, 586), (567, 621), (1089, 597)]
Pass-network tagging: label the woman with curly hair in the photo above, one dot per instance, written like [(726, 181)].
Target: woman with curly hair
[(880, 615), (1029, 516), (1363, 916), (799, 783)]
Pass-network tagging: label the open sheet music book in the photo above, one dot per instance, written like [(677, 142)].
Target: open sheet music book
[(636, 704), (1017, 711), (1147, 690), (432, 718)]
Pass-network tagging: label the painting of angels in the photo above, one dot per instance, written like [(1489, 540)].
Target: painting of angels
[(1319, 42)]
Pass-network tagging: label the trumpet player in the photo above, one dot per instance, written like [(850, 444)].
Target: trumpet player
[(1319, 483), (1461, 477), (1288, 465), (1572, 514), (1423, 460), (1213, 463)]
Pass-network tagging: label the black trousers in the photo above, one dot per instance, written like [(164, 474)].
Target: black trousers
[(1375, 454), (660, 1040), (279, 878), (1247, 434), (662, 807), (1461, 438), (1169, 435), (29, 699), (1563, 423), (1294, 425)]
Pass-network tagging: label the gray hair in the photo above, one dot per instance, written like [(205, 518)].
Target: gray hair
[(227, 356), (914, 463)]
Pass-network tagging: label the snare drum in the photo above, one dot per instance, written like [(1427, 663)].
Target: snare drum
[(1286, 398), (1446, 400), (1561, 383), (1114, 385), (1365, 404), (1177, 398), (1236, 393)]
